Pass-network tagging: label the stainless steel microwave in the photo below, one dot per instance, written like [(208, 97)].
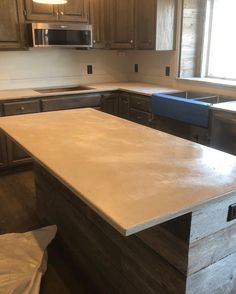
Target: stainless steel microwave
[(60, 35)]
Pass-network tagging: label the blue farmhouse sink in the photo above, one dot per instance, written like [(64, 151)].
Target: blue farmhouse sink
[(191, 111)]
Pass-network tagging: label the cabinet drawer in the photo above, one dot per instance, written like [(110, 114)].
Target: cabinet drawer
[(140, 117), (140, 103), (23, 107), (60, 103)]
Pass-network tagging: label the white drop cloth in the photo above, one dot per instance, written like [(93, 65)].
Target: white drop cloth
[(23, 260)]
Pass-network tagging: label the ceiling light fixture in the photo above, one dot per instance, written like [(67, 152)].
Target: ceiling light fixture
[(51, 1)]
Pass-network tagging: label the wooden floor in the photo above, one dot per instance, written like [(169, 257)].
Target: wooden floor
[(18, 214)]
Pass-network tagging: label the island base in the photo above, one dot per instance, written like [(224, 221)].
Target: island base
[(194, 253)]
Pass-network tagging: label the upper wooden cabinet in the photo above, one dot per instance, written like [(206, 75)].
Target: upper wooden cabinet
[(74, 10), (166, 24), (145, 24), (97, 14), (35, 11), (121, 24), (155, 24), (11, 24)]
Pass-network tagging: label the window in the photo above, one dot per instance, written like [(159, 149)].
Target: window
[(222, 39), (208, 47)]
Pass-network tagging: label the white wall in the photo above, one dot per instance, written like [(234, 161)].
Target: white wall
[(46, 67)]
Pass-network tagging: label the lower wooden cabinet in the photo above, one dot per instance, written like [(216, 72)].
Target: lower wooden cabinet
[(15, 154), (123, 102), (129, 106), (3, 151), (70, 102), (183, 130), (110, 103)]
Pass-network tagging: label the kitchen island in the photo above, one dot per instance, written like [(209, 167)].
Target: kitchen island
[(140, 210)]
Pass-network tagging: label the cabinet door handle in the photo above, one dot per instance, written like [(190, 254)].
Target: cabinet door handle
[(131, 41), (57, 13), (62, 13), (21, 108), (94, 41), (138, 103)]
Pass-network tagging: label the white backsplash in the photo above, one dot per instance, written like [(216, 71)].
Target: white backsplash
[(52, 67)]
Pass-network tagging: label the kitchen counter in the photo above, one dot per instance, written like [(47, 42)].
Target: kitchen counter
[(227, 106), (134, 177), (138, 88), (101, 178)]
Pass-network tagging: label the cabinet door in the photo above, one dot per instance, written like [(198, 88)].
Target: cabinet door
[(109, 103), (145, 24), (124, 105), (16, 155), (3, 153), (121, 24), (74, 10), (165, 28), (36, 11), (97, 20), (11, 24)]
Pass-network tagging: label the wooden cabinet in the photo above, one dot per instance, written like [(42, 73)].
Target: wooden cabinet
[(129, 106), (3, 151), (70, 102), (110, 103), (145, 24), (121, 24), (11, 24), (155, 24), (15, 154), (97, 20), (165, 25), (74, 10), (140, 110), (11, 154), (40, 12), (124, 105), (21, 107)]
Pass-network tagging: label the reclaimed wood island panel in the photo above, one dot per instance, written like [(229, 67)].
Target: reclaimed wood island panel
[(140, 211)]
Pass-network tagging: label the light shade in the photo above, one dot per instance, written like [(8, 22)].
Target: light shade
[(51, 1)]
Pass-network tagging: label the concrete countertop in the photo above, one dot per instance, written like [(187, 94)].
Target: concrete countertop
[(226, 106), (133, 176), (138, 88)]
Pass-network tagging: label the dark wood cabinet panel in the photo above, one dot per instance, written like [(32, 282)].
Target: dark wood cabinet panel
[(15, 154), (44, 12), (110, 103), (3, 151), (140, 102), (121, 24), (124, 105), (141, 117), (11, 24), (74, 10), (97, 20), (145, 24), (22, 107), (70, 102)]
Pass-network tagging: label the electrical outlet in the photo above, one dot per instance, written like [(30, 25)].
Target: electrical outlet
[(231, 212), (136, 67), (167, 71), (89, 69)]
